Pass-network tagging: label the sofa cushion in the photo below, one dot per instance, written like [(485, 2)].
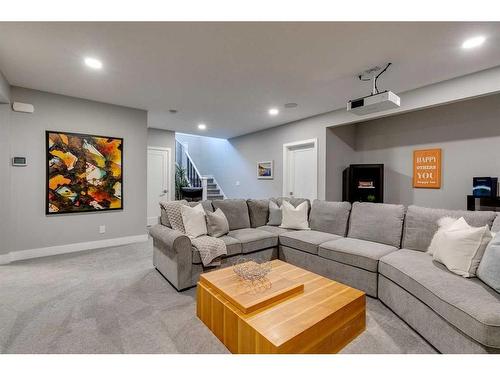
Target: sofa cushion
[(330, 217), (233, 247), (206, 204), (306, 240), (254, 239), (354, 252), (468, 304), (489, 268), (258, 210), (377, 222), (236, 211), (421, 224), (274, 229), (495, 227)]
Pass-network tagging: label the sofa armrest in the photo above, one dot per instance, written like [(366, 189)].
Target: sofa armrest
[(170, 239), (173, 255)]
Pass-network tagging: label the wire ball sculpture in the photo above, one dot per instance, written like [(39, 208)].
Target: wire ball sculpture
[(250, 270)]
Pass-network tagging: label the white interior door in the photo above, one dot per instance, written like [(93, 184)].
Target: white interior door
[(300, 174), (158, 181)]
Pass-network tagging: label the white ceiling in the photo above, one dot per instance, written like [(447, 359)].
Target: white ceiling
[(227, 75)]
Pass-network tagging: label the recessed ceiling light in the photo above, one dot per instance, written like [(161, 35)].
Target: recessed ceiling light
[(291, 105), (202, 126), (172, 111), (274, 111), (93, 63), (473, 42)]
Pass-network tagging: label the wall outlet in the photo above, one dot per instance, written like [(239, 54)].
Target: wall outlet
[(237, 183), (102, 229)]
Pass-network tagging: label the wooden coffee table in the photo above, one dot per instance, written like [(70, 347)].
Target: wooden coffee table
[(294, 311)]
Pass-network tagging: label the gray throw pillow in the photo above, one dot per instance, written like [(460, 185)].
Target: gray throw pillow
[(275, 214), (489, 268), (217, 224)]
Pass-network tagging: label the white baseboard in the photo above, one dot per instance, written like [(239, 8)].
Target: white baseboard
[(69, 248), (5, 258)]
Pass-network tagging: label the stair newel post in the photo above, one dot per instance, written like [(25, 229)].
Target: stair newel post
[(204, 185)]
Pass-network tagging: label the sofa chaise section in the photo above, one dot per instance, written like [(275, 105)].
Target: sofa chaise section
[(455, 314), (468, 306)]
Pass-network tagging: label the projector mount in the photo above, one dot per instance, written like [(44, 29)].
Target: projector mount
[(371, 75)]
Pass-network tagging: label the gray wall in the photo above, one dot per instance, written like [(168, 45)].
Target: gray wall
[(468, 132), (164, 138), (30, 227), (340, 152)]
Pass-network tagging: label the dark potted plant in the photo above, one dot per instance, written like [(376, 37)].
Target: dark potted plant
[(180, 181)]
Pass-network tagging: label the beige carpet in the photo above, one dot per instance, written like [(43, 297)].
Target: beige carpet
[(113, 301)]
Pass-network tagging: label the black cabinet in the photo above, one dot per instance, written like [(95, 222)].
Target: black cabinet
[(363, 183), (483, 203)]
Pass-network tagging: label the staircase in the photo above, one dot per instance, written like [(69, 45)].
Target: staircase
[(211, 189)]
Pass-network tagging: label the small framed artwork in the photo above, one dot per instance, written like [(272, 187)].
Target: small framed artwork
[(427, 168), (265, 170)]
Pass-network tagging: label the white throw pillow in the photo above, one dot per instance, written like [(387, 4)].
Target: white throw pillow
[(294, 217), (193, 219), (461, 249), (445, 223)]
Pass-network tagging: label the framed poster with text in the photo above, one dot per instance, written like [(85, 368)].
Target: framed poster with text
[(427, 168)]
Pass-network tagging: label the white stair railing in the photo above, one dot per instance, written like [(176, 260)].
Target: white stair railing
[(193, 175)]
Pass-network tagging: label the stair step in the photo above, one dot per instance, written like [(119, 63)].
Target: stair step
[(212, 186), (210, 180), (213, 192)]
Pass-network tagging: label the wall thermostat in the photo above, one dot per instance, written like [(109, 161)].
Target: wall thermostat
[(19, 161)]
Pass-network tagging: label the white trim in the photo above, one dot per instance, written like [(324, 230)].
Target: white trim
[(286, 149), (153, 220), (5, 258), (70, 248), (204, 185)]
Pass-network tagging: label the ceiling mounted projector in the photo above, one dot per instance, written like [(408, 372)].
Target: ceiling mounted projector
[(377, 101)]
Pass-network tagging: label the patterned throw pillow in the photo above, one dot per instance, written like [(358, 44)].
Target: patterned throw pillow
[(173, 210)]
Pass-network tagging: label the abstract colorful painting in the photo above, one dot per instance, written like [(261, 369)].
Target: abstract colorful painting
[(84, 173)]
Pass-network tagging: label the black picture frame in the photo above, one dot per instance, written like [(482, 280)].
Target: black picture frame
[(47, 173)]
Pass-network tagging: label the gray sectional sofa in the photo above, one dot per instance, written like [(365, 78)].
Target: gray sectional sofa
[(377, 248)]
